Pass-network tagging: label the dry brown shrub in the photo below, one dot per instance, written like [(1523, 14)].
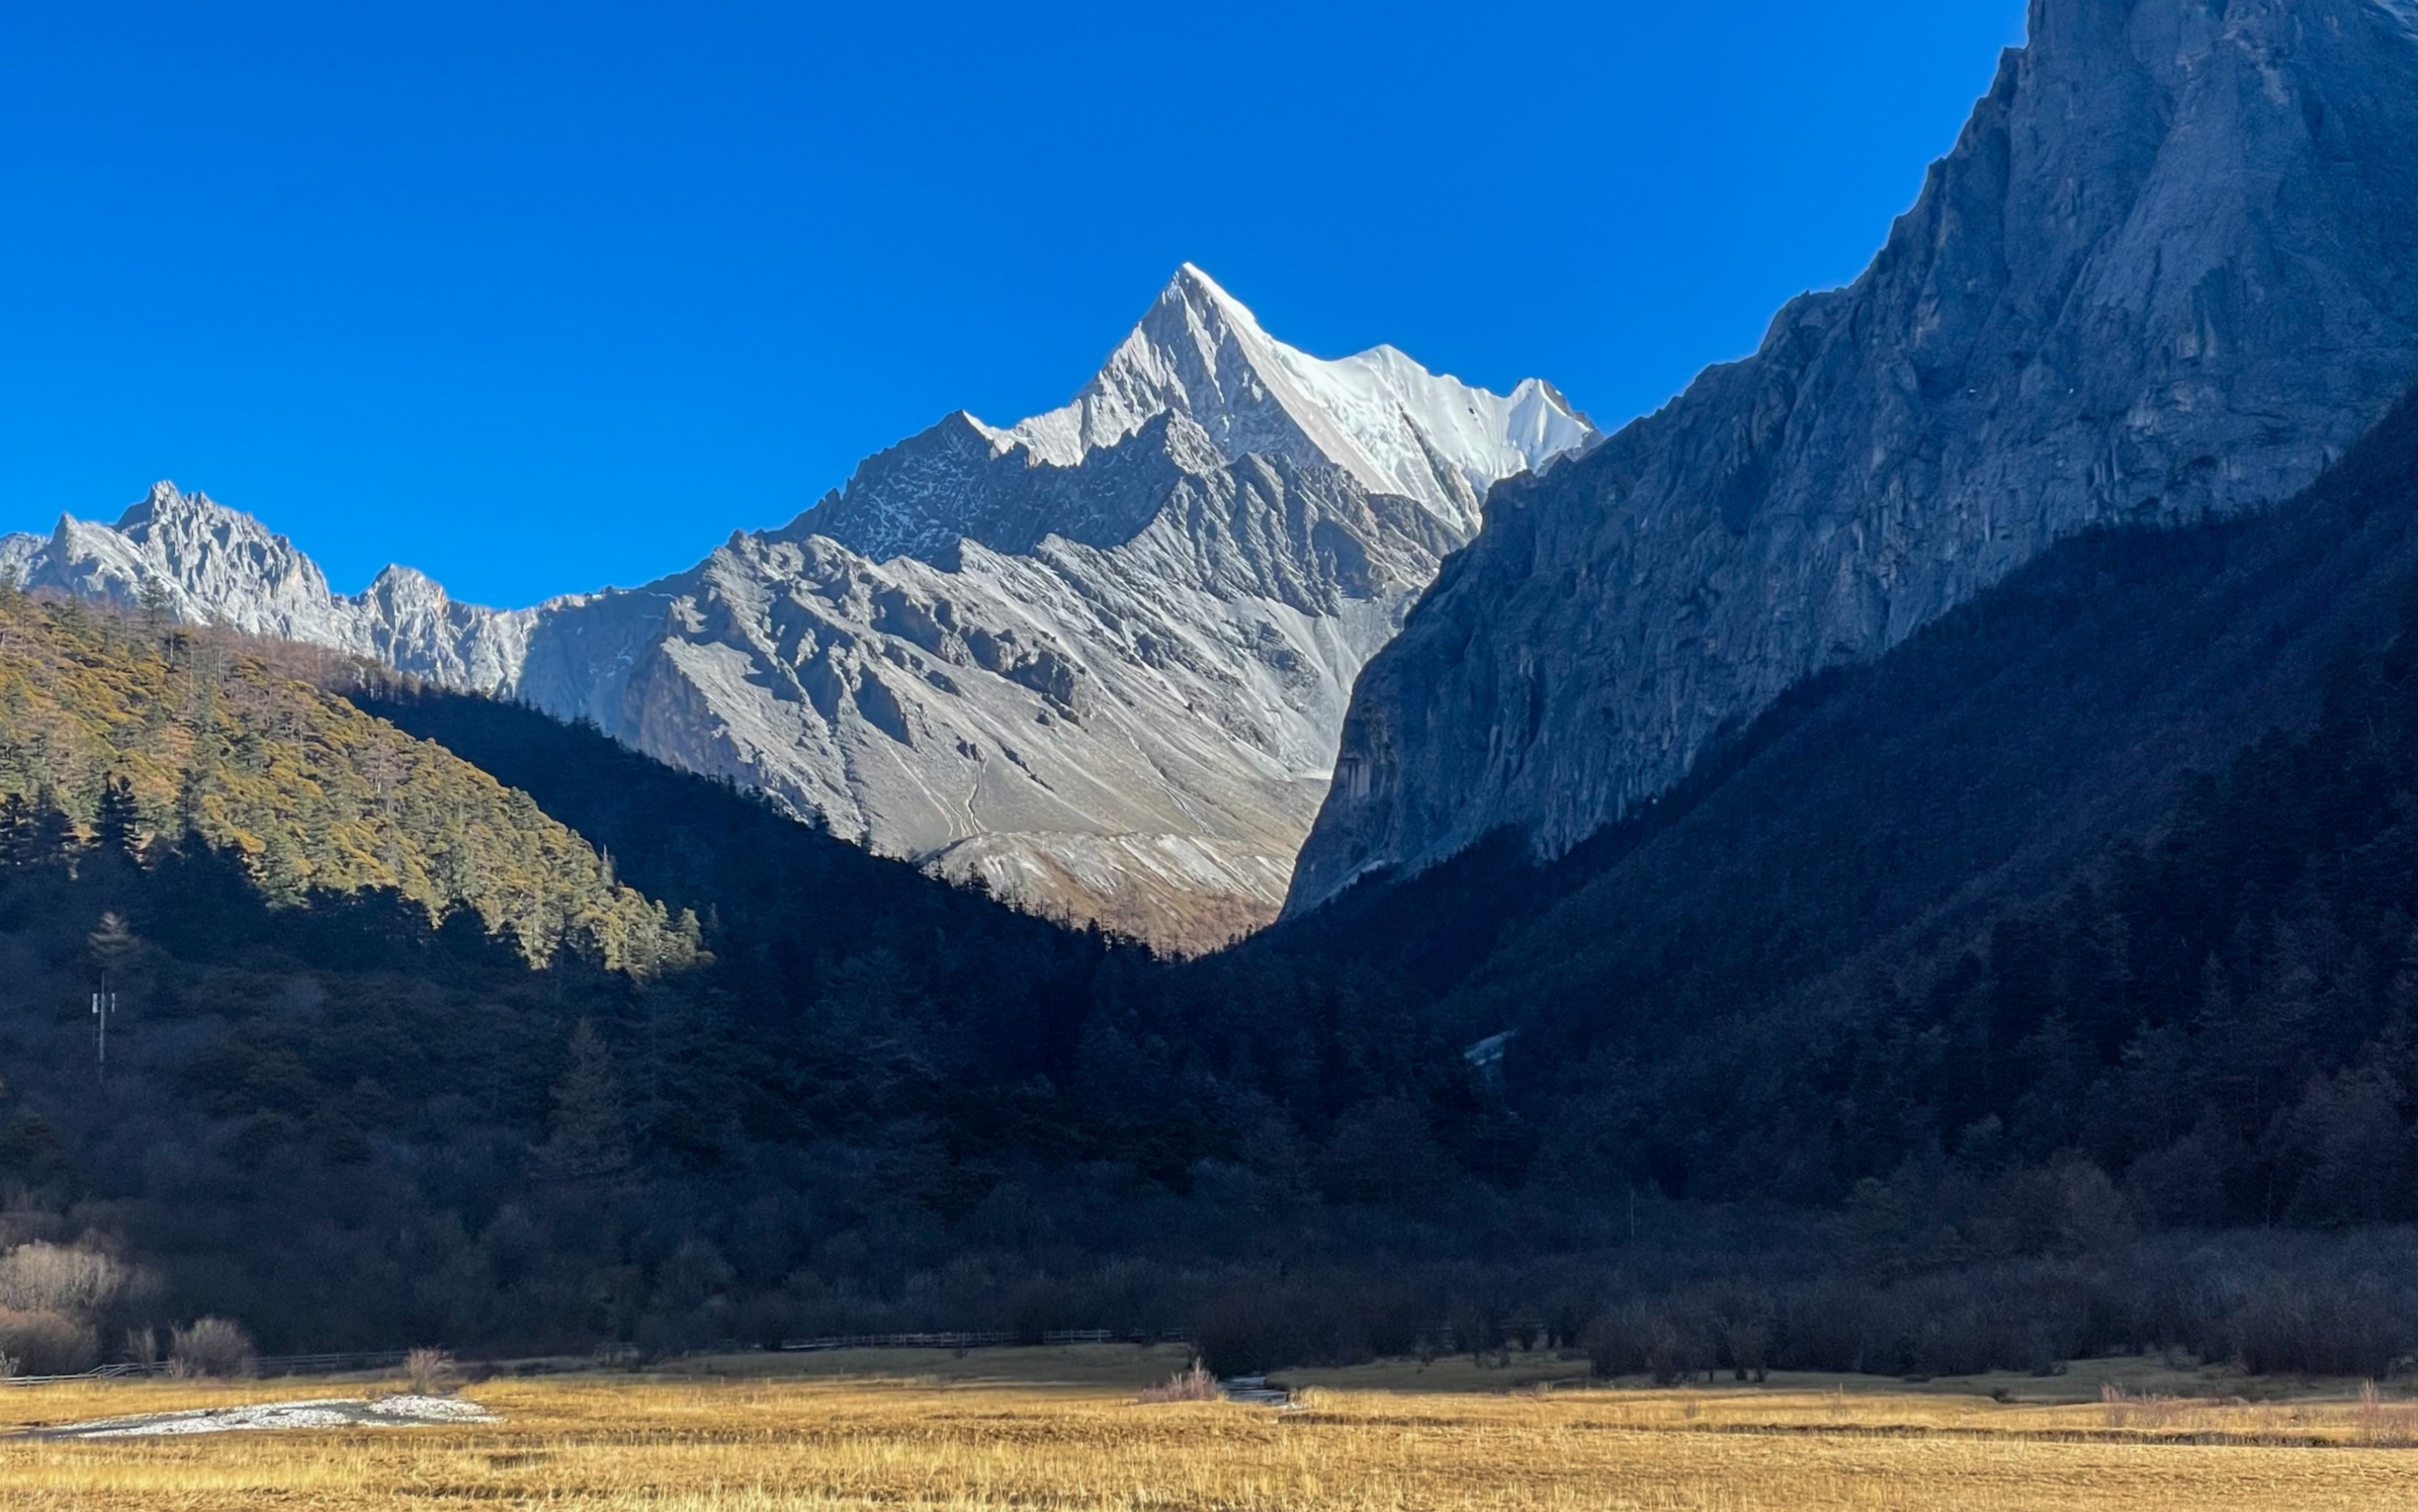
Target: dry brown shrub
[(211, 1347), (2384, 1425), (1195, 1385), (428, 1371)]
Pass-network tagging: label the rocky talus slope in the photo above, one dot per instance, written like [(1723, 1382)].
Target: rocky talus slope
[(2169, 270), (1098, 660)]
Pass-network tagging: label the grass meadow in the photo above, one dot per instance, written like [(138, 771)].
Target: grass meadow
[(1043, 1430)]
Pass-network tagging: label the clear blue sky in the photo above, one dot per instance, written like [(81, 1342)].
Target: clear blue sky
[(539, 297)]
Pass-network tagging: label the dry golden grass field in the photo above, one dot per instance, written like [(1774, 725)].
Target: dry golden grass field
[(1036, 1431)]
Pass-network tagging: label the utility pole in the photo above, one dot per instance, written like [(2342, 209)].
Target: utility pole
[(105, 1007)]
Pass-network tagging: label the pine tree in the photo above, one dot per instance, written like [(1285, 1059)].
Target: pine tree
[(117, 823), (157, 602), (591, 1137), (52, 838), (111, 940)]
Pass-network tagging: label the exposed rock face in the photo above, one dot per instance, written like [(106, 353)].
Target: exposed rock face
[(1139, 734), (218, 566), (1099, 660), (2171, 267)]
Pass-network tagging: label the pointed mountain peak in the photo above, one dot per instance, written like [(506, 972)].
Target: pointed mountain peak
[(964, 424), (163, 498), (1199, 356), (395, 575), (1196, 290), (167, 504), (1194, 311)]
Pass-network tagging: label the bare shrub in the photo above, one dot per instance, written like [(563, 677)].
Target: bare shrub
[(61, 1278), (42, 1343), (1195, 1385), (428, 1371), (211, 1347), (2384, 1425)]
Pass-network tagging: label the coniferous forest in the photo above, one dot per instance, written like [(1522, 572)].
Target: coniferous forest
[(2047, 987)]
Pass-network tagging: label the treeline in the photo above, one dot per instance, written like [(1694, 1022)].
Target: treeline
[(2279, 1304)]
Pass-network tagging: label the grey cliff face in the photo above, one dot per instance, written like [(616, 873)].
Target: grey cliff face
[(1138, 734), (2171, 267), (1098, 660)]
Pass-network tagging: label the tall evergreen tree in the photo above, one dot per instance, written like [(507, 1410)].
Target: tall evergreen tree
[(157, 602), (591, 1136), (117, 820), (53, 837)]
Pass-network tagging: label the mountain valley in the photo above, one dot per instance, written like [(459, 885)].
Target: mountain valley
[(1903, 860)]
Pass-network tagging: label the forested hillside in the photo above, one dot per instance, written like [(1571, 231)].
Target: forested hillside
[(396, 1055), (137, 737)]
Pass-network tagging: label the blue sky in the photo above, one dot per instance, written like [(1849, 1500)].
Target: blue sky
[(540, 297)]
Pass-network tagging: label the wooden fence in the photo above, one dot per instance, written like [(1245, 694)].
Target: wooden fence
[(990, 1338)]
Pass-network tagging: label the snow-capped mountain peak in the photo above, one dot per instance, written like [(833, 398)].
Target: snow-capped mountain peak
[(1396, 427)]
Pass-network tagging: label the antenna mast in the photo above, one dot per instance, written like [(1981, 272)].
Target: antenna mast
[(104, 1006)]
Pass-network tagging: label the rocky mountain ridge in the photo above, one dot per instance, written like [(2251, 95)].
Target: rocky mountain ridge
[(214, 565), (2168, 271), (1098, 660)]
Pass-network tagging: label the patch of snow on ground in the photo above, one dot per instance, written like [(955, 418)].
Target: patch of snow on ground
[(340, 1411)]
